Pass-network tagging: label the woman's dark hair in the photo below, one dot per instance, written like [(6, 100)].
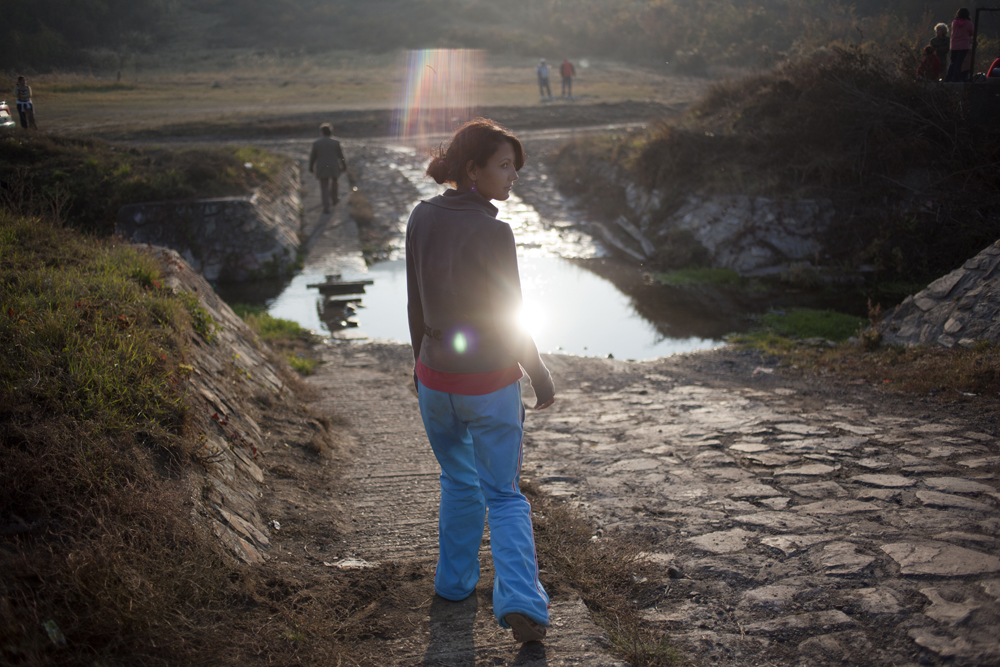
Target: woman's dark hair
[(962, 13), (477, 140)]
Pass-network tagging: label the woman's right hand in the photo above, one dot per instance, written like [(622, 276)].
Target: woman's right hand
[(545, 404)]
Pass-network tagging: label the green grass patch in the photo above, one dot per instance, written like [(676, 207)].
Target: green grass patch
[(266, 326), (802, 323), (701, 276), (301, 364)]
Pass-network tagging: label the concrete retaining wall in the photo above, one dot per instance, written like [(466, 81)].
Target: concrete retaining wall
[(226, 240)]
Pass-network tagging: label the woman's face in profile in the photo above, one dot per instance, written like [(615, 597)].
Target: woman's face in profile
[(495, 180)]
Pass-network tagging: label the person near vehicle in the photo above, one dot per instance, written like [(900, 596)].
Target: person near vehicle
[(327, 161), (25, 107), (930, 66), (568, 72), (463, 298), (542, 72), (962, 32), (941, 42)]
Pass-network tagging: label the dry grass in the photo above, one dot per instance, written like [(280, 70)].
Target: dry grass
[(608, 573)]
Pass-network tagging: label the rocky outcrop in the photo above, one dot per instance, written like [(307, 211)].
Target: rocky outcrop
[(229, 239), (961, 308), (751, 235)]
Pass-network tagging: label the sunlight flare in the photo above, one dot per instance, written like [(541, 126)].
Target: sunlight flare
[(440, 91)]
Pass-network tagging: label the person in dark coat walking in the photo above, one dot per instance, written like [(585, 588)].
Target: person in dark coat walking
[(327, 161)]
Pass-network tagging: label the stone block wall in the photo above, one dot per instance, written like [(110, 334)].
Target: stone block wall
[(228, 239), (960, 308)]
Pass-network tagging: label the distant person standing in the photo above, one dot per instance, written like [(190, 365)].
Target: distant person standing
[(327, 161), (930, 67), (543, 79), (568, 72), (941, 42), (962, 32), (25, 109)]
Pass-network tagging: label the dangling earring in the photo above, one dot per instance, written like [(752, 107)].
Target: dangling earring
[(473, 186)]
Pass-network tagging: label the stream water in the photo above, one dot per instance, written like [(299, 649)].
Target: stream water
[(567, 308)]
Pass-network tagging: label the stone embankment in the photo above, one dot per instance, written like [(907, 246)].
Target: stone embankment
[(960, 308), (751, 235), (230, 376), (226, 240)]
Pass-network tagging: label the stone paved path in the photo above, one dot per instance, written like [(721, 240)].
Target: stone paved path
[(790, 529), (392, 493)]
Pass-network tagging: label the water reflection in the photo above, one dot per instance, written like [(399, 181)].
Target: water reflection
[(571, 302)]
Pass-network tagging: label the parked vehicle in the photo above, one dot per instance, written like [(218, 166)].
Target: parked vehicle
[(6, 120)]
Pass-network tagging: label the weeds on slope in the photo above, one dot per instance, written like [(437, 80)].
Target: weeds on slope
[(100, 563)]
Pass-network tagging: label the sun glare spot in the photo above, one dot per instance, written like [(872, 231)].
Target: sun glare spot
[(531, 318), (459, 343)]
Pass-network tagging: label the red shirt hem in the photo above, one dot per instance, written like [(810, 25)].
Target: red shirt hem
[(467, 384)]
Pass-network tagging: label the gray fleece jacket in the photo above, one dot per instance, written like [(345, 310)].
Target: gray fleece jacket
[(464, 292)]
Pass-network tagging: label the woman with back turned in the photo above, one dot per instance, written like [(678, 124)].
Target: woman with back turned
[(463, 298), (962, 33)]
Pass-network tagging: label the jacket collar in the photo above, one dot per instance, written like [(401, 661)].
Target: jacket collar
[(463, 201)]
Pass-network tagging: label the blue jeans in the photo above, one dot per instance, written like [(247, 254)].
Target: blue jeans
[(478, 443)]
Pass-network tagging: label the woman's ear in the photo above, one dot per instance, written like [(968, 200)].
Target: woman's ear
[(471, 170)]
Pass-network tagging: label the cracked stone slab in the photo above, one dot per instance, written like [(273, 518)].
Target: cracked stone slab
[(819, 490), (634, 465), (885, 481), (775, 597), (943, 611), (950, 647), (878, 601), (841, 647), (723, 542), (814, 470), (938, 499), (837, 507), (754, 491), (957, 485), (844, 558), (778, 520), (750, 447), (829, 619), (992, 588), (793, 543), (874, 464), (940, 559)]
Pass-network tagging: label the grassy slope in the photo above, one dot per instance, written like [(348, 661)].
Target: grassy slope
[(91, 431), (87, 181)]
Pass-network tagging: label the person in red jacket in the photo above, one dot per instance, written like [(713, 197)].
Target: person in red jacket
[(930, 67), (568, 72), (962, 32)]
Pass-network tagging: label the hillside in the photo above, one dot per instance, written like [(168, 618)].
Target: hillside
[(55, 34)]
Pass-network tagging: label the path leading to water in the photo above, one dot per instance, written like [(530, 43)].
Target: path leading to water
[(793, 519)]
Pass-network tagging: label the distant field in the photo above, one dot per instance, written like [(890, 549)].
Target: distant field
[(232, 85)]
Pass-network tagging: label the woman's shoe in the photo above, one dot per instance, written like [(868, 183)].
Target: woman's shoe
[(525, 629)]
